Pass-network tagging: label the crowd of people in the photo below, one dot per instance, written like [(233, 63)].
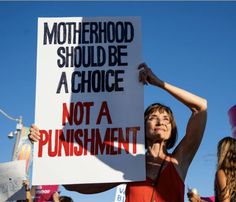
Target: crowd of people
[(166, 171), (31, 193)]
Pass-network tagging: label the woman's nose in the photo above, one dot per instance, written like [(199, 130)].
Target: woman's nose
[(159, 122)]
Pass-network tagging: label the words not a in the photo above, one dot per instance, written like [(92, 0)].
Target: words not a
[(78, 142)]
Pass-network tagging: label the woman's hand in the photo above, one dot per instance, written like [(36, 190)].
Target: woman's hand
[(26, 185), (146, 76), (192, 197), (56, 197), (34, 135)]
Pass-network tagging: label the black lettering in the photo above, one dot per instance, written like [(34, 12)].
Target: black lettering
[(60, 52), (62, 82), (50, 35), (62, 33)]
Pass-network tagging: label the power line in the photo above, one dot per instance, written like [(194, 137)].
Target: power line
[(8, 116)]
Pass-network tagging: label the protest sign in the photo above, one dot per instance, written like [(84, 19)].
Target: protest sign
[(120, 193), (89, 101), (12, 175), (45, 193)]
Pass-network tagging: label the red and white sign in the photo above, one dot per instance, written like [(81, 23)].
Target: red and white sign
[(89, 101), (44, 193)]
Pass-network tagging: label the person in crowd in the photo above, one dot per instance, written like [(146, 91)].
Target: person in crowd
[(28, 191), (165, 171), (193, 196), (225, 177), (28, 196), (58, 198)]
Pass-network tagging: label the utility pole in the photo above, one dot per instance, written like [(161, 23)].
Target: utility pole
[(17, 132)]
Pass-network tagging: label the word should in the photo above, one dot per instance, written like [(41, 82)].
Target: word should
[(92, 56)]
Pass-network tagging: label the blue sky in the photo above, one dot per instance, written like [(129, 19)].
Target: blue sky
[(189, 44)]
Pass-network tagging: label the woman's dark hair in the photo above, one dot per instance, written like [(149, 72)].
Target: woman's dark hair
[(161, 108), (65, 199)]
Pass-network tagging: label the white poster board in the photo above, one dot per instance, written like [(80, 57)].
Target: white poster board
[(89, 101), (12, 175)]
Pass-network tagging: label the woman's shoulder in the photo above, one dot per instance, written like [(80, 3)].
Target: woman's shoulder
[(220, 174), (220, 179)]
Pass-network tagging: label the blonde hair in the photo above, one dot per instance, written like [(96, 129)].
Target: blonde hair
[(226, 154)]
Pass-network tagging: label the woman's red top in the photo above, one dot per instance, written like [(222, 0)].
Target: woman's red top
[(170, 188)]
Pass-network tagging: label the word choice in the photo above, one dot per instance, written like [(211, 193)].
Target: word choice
[(91, 81)]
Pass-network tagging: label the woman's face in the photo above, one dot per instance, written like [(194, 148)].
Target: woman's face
[(158, 126)]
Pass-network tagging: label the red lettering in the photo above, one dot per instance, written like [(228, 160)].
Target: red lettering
[(52, 152), (78, 151), (62, 142), (135, 132), (43, 141), (79, 142), (66, 115), (99, 144), (87, 140), (77, 113), (104, 111), (123, 141), (112, 140), (78, 108), (70, 139), (87, 106)]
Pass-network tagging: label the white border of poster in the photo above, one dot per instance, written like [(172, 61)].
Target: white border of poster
[(89, 101)]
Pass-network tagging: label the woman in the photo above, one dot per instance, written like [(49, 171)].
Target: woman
[(57, 198), (225, 179), (28, 194), (165, 171)]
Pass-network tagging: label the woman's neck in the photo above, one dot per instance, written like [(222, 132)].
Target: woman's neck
[(157, 150)]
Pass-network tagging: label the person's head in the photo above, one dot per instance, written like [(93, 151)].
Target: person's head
[(193, 197), (226, 153), (65, 199), (159, 114)]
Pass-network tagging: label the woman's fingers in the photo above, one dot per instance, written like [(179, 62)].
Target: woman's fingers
[(34, 133), (143, 73)]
